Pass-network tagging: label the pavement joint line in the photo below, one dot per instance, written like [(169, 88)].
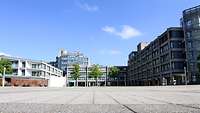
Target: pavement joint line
[(123, 105), (174, 91), (28, 91), (45, 100), (134, 99), (93, 97), (183, 105), (74, 98)]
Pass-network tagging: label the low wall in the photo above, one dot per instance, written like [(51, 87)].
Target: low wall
[(55, 81), (28, 82), (25, 82)]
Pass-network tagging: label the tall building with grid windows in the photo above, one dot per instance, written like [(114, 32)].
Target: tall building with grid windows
[(160, 62), (170, 58), (191, 26), (66, 59)]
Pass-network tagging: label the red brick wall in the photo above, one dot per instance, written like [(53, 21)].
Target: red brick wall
[(28, 82), (25, 82)]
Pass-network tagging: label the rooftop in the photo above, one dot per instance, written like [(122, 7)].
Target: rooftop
[(190, 10)]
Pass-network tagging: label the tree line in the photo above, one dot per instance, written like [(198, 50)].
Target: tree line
[(95, 72)]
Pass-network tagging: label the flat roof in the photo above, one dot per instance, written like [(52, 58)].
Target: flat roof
[(191, 9)]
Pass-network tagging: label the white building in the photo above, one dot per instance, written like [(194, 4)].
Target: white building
[(33, 68), (85, 79)]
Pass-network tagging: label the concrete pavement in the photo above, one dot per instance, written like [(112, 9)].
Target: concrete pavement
[(155, 99)]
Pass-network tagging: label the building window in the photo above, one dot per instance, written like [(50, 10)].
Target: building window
[(164, 48), (23, 64), (189, 44), (192, 66), (191, 55), (33, 65), (48, 68), (198, 21), (176, 34), (23, 72), (189, 35), (34, 73), (14, 64), (189, 23), (176, 44), (15, 72), (178, 54), (43, 66), (178, 65)]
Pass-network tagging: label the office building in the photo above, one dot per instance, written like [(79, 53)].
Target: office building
[(85, 79), (191, 26), (27, 71), (161, 62), (66, 58)]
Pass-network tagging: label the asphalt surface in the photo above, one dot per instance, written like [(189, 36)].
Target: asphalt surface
[(155, 99)]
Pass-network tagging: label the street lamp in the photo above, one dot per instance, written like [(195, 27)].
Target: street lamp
[(106, 75), (185, 75)]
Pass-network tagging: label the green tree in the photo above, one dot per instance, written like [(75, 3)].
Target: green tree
[(95, 72), (76, 73), (4, 63), (113, 73)]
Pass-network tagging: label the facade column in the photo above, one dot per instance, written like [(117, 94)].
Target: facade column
[(67, 81), (173, 81), (163, 81), (124, 80), (87, 76), (185, 72), (19, 65), (106, 75)]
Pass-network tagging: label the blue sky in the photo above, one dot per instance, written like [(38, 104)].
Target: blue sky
[(104, 30)]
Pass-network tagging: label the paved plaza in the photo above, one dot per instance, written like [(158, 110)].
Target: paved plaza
[(155, 99)]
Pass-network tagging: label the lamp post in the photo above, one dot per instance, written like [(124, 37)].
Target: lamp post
[(106, 75), (125, 79), (185, 75), (3, 77)]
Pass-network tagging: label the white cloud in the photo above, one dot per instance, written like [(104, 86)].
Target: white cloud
[(1, 53), (109, 52), (87, 7), (109, 29), (126, 32), (129, 32)]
